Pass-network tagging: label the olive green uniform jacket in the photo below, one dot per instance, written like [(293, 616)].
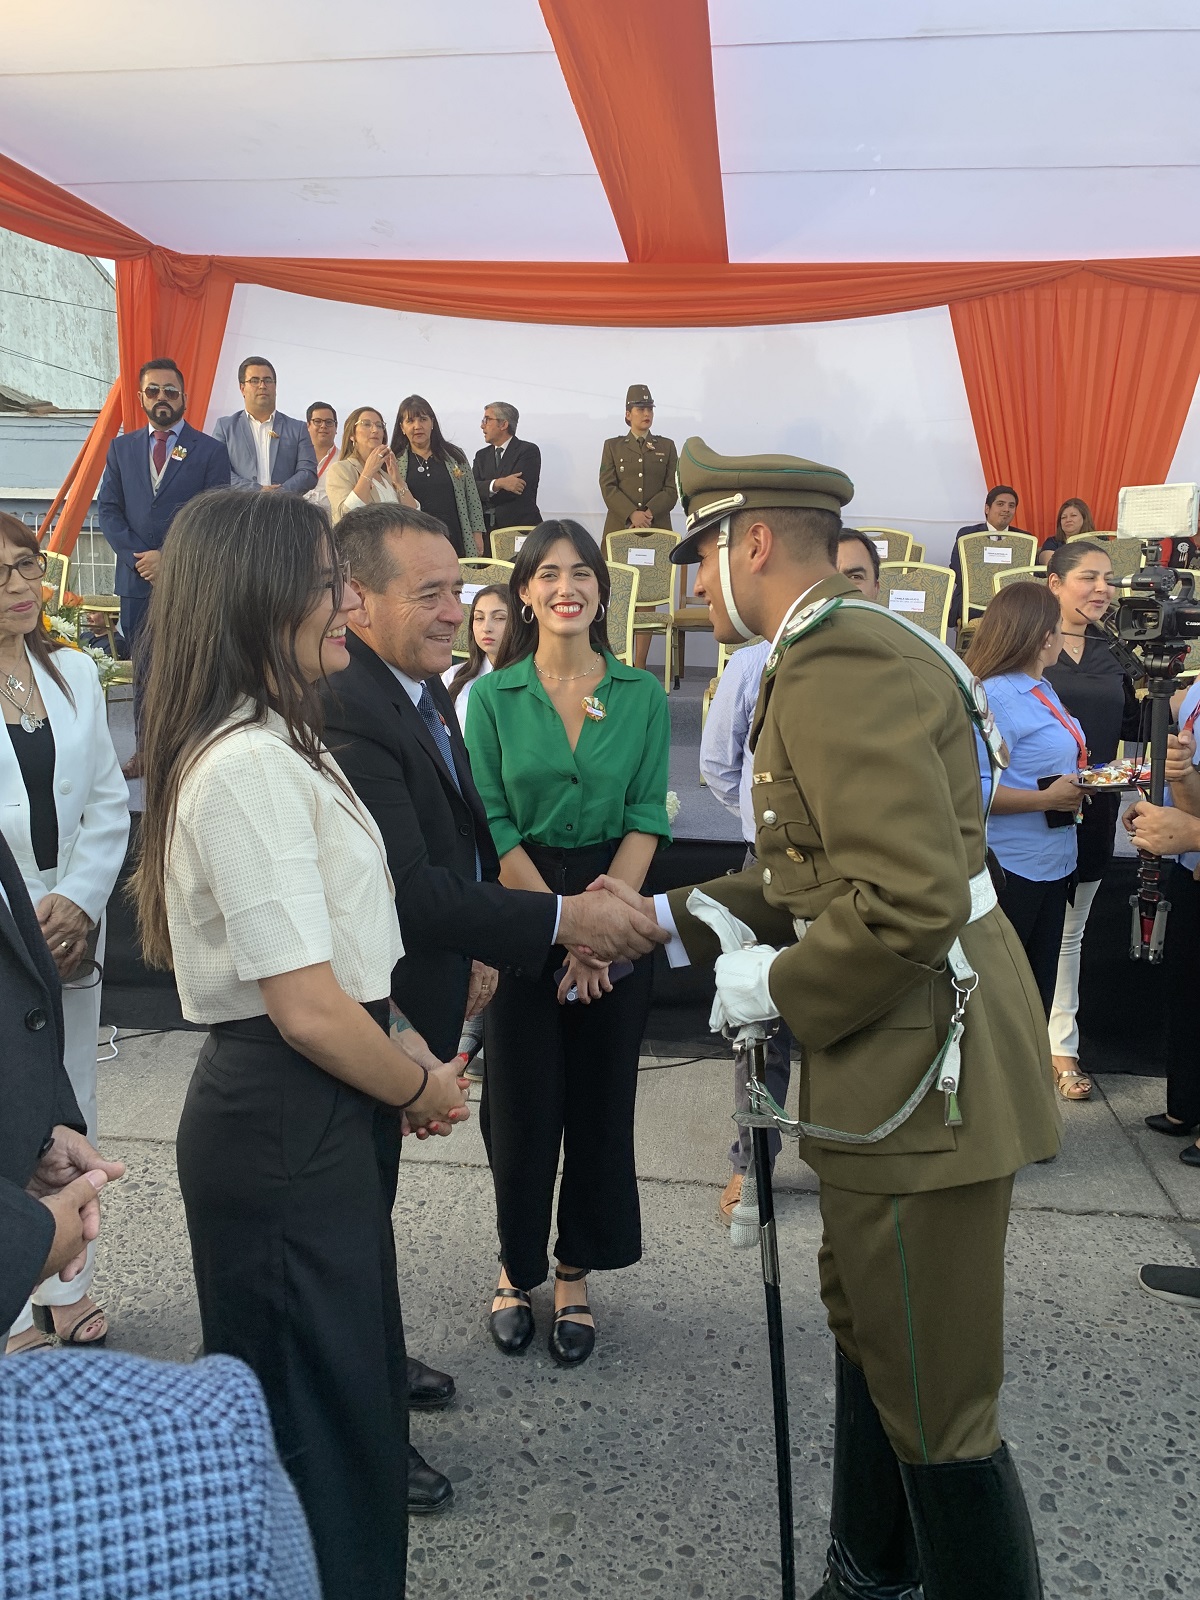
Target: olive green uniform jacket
[(870, 823), (638, 475)]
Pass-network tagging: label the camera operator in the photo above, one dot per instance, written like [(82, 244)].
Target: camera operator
[(1175, 830)]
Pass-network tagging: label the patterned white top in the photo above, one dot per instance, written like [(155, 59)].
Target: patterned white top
[(273, 867)]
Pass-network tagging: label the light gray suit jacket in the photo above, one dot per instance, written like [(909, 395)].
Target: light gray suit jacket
[(293, 459)]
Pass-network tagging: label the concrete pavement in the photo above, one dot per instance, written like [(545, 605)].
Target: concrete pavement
[(650, 1470)]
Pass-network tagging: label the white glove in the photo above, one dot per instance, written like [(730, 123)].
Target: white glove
[(742, 992)]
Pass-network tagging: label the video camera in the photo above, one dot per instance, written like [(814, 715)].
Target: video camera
[(1151, 627)]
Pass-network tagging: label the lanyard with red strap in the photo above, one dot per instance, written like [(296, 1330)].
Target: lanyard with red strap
[(1068, 722)]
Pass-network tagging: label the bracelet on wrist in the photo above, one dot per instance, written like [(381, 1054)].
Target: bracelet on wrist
[(414, 1097)]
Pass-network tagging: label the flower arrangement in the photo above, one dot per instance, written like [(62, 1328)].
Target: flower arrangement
[(672, 805), (61, 622)]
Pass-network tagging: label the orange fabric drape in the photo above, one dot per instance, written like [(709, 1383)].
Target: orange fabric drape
[(642, 84), (1077, 387), (177, 306)]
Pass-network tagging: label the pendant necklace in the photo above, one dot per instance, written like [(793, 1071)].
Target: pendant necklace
[(10, 689), (592, 707)]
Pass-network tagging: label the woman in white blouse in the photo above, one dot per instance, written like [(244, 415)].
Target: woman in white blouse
[(263, 882), (64, 812), (366, 471)]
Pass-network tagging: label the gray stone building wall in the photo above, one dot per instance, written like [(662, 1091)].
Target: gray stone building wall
[(58, 325)]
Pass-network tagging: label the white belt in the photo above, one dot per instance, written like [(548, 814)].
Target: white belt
[(983, 900)]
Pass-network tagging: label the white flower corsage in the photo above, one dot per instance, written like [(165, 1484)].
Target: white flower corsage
[(672, 805)]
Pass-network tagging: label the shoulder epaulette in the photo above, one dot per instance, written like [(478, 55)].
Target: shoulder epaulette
[(800, 623)]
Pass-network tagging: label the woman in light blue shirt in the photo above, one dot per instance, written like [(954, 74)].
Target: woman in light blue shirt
[(1031, 828)]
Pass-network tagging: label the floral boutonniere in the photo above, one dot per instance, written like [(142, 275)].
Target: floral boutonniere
[(455, 470), (178, 453), (273, 434)]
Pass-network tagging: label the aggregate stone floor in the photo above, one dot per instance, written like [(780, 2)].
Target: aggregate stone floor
[(649, 1472)]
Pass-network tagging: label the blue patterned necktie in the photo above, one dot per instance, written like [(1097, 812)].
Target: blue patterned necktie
[(431, 717)]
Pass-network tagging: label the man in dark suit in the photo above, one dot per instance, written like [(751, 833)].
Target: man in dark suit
[(267, 450), (147, 477), (507, 470), (392, 728), (999, 509), (49, 1174)]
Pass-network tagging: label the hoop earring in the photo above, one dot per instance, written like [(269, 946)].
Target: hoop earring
[(601, 612), (527, 619)]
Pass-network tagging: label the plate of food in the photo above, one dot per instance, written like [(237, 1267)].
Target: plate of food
[(1113, 775)]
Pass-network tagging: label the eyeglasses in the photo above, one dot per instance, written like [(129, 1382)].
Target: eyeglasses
[(167, 390), (260, 383), (29, 567), (330, 580)]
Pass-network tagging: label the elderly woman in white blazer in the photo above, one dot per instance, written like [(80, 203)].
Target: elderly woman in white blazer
[(64, 813), (366, 472)]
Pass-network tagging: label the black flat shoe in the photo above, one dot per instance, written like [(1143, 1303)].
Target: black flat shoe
[(1160, 1123), (1190, 1156), (511, 1327), (571, 1343), (428, 1389), (429, 1491)]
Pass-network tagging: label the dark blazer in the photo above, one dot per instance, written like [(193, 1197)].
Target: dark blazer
[(431, 833), (35, 1092), (955, 564), (132, 517), (503, 509), (293, 459)]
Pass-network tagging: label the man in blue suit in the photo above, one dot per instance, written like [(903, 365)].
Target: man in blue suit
[(266, 449), (148, 476)]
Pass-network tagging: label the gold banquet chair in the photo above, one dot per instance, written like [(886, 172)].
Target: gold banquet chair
[(649, 550), (477, 573), (919, 593), (507, 541), (982, 557), (54, 578), (1019, 575), (917, 553), (622, 607), (893, 544)]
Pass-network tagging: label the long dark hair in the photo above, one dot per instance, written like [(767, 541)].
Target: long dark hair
[(1081, 506), (473, 665), (1012, 630), (240, 572), (38, 643), (521, 637), (415, 405)]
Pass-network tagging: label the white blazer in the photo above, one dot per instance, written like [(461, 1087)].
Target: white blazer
[(90, 795)]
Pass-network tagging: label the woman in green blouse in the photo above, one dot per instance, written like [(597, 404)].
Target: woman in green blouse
[(569, 752)]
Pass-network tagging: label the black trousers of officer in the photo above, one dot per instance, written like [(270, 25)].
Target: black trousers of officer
[(283, 1174), (914, 1288), (564, 1077)]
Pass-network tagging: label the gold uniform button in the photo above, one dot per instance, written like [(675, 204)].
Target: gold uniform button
[(766, 874), (794, 855), (769, 816)]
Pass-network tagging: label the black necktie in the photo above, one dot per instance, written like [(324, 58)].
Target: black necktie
[(432, 719), (499, 456)]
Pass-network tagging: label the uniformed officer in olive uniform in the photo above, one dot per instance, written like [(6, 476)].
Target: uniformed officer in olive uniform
[(637, 470), (876, 915)]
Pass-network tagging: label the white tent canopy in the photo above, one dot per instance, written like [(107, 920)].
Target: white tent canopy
[(876, 130)]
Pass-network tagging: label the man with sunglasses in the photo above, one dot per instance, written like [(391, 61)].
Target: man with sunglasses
[(149, 474)]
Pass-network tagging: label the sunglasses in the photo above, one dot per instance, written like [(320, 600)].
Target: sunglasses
[(168, 391)]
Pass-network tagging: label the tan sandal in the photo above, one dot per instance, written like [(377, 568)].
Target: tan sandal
[(31, 1338), (44, 1317), (1072, 1084)]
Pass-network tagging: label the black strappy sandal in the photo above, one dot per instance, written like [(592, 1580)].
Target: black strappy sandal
[(571, 1343), (511, 1327)]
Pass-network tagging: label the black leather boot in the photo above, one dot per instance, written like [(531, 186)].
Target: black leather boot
[(974, 1536), (872, 1554)]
